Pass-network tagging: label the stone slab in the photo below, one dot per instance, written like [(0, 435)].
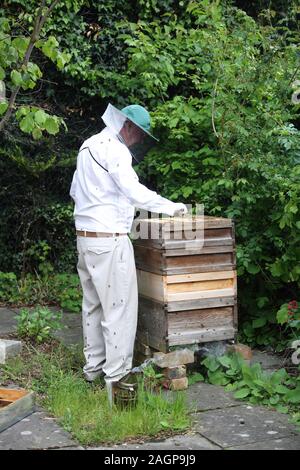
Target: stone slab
[(9, 348), (72, 333), (286, 443), (202, 397), (243, 425), (38, 431), (8, 323), (268, 361), (182, 442)]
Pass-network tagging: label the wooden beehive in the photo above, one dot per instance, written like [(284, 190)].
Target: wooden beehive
[(187, 287)]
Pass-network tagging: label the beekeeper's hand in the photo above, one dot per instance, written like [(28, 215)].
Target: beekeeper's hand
[(180, 209)]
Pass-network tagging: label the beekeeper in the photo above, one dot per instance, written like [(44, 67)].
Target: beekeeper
[(106, 189)]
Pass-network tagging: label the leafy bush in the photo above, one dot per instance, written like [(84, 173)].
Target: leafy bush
[(8, 287), (38, 324), (278, 389)]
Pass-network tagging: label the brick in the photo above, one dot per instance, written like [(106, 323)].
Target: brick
[(244, 350), (174, 358), (178, 384), (9, 348), (178, 372)]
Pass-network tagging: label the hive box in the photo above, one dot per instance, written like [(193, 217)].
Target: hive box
[(14, 406), (187, 286)]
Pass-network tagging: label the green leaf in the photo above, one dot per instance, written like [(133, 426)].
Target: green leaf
[(281, 389), (243, 393), (282, 314), (40, 117), (211, 363), (51, 125), (21, 44), (2, 73), (27, 123), (293, 396), (37, 133), (225, 361), (16, 77), (3, 107), (259, 322), (252, 268)]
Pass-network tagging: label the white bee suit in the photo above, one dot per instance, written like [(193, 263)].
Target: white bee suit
[(105, 189)]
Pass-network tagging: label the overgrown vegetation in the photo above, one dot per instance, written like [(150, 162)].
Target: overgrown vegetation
[(218, 83), (54, 373), (63, 290), (38, 324), (279, 390)]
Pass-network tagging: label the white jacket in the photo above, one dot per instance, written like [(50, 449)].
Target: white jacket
[(105, 187)]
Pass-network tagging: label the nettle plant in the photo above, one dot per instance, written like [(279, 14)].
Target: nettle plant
[(18, 73)]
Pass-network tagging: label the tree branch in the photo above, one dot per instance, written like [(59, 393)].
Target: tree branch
[(38, 24), (213, 109)]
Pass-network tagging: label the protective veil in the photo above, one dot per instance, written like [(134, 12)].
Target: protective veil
[(115, 119)]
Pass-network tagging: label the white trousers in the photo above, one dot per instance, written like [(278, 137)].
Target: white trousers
[(106, 268)]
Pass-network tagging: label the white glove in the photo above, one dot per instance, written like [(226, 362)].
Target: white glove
[(180, 209)]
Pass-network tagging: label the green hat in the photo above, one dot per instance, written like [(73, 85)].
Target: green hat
[(140, 117)]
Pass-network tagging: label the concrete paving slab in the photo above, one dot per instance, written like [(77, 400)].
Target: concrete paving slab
[(182, 442), (286, 443), (72, 334), (268, 361), (37, 431), (202, 397), (8, 349), (8, 323), (243, 425)]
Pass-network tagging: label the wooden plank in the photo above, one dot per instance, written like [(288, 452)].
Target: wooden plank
[(152, 324), (202, 335), (151, 285), (196, 319), (210, 237), (202, 294), (199, 285), (21, 404), (194, 277), (193, 304), (156, 261), (156, 286), (196, 269), (200, 250), (176, 223)]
